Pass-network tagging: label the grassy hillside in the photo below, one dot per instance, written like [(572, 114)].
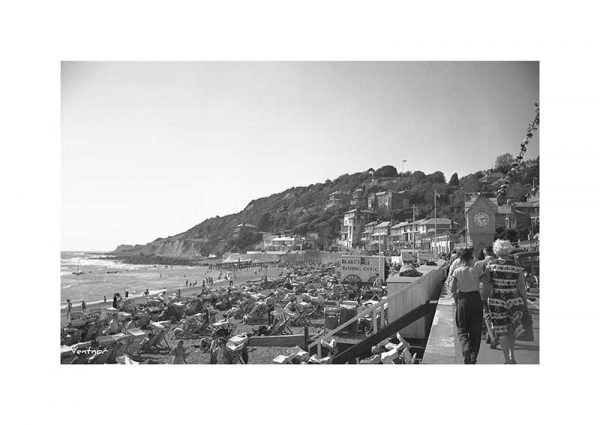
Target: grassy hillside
[(302, 209)]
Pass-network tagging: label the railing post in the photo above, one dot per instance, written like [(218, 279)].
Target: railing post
[(374, 321)]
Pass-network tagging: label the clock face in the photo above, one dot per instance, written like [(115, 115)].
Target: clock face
[(481, 219)]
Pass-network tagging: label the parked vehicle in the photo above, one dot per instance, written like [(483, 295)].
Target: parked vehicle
[(530, 261)]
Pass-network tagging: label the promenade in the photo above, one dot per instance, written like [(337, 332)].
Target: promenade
[(526, 352), (443, 346)]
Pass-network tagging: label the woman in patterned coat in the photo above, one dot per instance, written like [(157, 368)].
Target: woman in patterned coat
[(507, 299)]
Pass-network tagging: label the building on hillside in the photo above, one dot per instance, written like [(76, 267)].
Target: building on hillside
[(365, 236), (284, 244), (411, 234), (446, 242), (528, 212), (398, 237), (388, 200), (312, 240), (430, 225), (352, 227), (380, 237), (337, 198), (372, 201), (358, 198), (243, 229)]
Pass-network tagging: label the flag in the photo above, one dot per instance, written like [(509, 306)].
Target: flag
[(437, 195)]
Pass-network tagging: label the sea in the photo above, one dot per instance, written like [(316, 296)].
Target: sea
[(89, 276)]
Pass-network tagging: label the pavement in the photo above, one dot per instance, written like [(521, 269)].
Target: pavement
[(443, 346), (526, 352)]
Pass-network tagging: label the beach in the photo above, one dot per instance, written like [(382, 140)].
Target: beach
[(243, 277), (160, 279)]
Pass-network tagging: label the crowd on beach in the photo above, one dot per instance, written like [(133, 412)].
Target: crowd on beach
[(489, 290), (296, 298)]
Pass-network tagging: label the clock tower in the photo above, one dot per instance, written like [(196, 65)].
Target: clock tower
[(480, 217)]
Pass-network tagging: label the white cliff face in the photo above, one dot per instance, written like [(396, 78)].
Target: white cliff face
[(174, 248)]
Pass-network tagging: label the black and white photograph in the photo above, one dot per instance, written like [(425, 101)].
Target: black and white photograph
[(289, 213), (299, 212)]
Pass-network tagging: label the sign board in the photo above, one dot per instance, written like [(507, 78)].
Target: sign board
[(425, 255), (406, 256), (359, 268), (409, 256)]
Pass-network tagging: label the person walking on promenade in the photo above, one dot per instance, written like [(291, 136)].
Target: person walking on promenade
[(454, 262), (508, 298), (488, 257), (69, 308), (464, 288), (83, 306), (105, 299), (115, 301)]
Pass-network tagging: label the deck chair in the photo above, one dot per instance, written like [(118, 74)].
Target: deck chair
[(138, 337), (122, 344), (258, 314), (390, 356), (281, 326), (158, 341), (304, 311), (193, 327)]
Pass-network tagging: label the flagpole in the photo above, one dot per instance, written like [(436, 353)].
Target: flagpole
[(435, 222), (414, 234)]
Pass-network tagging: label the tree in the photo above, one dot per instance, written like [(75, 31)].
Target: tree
[(264, 222), (418, 176), (504, 162), (454, 180), (437, 177), (386, 171)]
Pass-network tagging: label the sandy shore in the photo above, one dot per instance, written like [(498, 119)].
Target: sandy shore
[(241, 279)]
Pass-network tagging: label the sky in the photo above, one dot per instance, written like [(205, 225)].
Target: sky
[(151, 149)]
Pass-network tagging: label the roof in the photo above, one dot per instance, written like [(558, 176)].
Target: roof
[(245, 225), (534, 204), (283, 239), (381, 193), (373, 223), (474, 198), (383, 224), (439, 220), (399, 225)]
